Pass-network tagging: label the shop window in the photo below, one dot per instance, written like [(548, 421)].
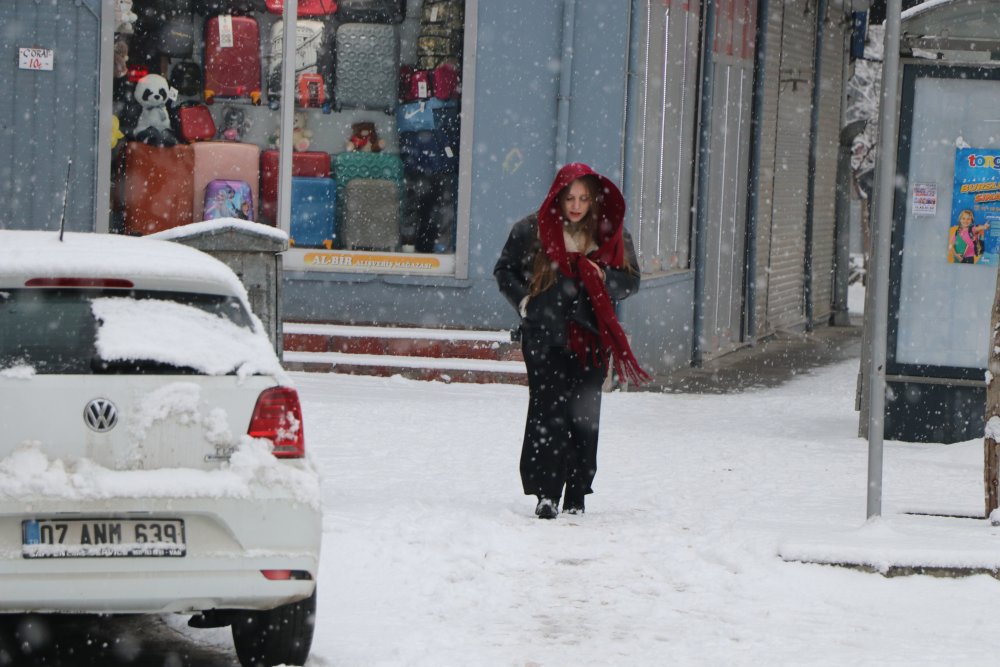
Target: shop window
[(377, 94)]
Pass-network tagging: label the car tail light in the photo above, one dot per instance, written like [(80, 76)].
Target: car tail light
[(284, 575), (118, 283), (278, 417)]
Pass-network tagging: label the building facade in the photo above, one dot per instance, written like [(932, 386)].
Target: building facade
[(720, 120)]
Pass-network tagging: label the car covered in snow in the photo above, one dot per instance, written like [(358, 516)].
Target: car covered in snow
[(152, 451)]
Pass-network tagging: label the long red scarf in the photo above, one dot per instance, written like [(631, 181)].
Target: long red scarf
[(610, 253)]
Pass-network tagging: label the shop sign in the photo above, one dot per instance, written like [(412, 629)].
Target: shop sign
[(368, 262), (36, 59)]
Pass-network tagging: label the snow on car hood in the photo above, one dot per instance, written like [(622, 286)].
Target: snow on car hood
[(180, 335), (252, 472)]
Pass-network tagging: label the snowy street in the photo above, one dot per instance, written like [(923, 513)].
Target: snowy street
[(433, 557)]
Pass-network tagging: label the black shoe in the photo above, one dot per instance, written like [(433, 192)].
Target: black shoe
[(546, 509), (572, 506)]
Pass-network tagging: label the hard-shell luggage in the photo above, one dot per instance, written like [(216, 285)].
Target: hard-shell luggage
[(314, 213), (350, 165), (305, 7), (232, 58), (367, 68), (313, 62), (371, 215), (195, 122), (304, 163), (372, 11), (227, 160), (225, 198), (214, 7), (157, 188)]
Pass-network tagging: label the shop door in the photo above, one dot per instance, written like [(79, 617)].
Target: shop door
[(49, 114), (784, 275), (729, 151)]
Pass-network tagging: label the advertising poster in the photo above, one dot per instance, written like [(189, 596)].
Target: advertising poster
[(974, 227)]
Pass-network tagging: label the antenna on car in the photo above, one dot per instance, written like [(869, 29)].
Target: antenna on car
[(62, 220)]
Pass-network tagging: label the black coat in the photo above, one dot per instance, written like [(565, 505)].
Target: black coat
[(548, 313)]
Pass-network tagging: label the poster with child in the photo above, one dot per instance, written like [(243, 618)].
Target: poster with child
[(974, 227)]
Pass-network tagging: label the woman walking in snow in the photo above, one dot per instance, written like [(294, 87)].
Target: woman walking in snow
[(563, 268)]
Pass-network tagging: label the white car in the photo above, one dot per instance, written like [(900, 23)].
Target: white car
[(152, 454)]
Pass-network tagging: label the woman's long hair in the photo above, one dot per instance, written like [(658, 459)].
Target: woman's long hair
[(543, 272)]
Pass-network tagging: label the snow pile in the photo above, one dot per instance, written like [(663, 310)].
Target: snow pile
[(253, 472), (181, 335)]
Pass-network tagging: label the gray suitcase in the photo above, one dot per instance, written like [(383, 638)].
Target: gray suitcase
[(371, 218), (367, 66)]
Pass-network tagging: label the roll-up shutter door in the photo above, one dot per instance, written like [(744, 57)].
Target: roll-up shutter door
[(825, 191), (768, 139), (785, 273)]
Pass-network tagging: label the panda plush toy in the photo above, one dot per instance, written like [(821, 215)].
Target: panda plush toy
[(153, 93)]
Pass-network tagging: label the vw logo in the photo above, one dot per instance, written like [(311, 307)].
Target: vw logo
[(100, 415)]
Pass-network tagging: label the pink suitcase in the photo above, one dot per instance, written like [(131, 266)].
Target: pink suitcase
[(224, 160), (232, 58)]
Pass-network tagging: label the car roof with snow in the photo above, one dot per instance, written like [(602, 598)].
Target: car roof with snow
[(35, 258)]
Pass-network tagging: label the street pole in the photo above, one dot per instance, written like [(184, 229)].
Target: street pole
[(879, 266)]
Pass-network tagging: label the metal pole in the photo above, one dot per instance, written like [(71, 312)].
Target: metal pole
[(565, 82), (289, 38), (879, 266)]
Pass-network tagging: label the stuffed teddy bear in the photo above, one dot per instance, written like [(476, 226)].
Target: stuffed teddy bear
[(364, 138), (124, 17), (301, 136), (153, 93)]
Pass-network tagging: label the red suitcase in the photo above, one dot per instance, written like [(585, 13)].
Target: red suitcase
[(232, 58), (158, 187), (306, 7), (304, 163)]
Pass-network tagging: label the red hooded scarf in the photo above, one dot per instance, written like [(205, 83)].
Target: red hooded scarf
[(610, 253)]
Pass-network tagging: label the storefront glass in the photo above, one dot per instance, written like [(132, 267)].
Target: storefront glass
[(377, 92)]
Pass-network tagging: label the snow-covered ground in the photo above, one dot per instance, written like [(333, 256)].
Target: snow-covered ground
[(432, 556)]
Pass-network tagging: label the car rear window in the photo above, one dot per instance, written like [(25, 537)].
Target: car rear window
[(59, 331)]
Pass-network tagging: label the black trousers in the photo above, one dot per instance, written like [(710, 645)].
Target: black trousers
[(564, 416)]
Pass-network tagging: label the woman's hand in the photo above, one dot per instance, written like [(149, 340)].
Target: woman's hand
[(594, 264)]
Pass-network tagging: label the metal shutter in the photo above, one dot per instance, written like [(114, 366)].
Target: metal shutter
[(825, 191), (786, 267)]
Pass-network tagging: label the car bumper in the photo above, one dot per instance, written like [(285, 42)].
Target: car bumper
[(229, 543)]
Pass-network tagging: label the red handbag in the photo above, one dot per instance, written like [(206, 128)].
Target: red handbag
[(306, 7), (195, 122)]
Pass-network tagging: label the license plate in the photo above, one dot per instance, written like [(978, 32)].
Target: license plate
[(102, 538)]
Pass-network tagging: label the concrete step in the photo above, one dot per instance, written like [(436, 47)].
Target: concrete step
[(447, 355)]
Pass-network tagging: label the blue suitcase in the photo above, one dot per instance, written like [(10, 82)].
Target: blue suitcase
[(314, 210)]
